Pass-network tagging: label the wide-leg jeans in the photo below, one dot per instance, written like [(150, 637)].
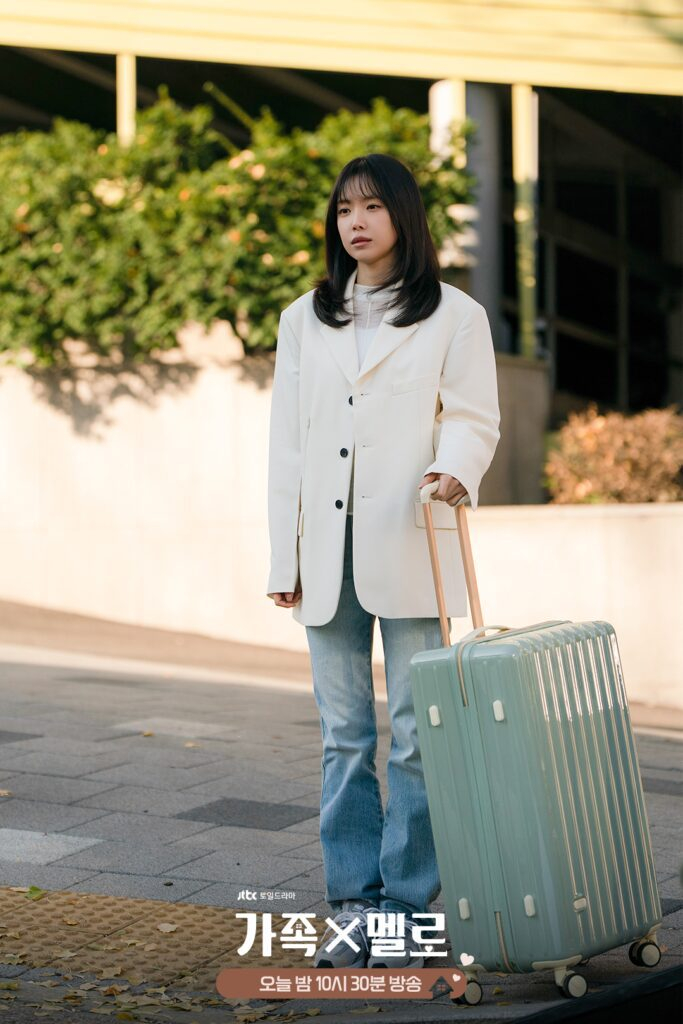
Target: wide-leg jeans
[(384, 855)]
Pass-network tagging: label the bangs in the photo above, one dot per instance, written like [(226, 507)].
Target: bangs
[(361, 180)]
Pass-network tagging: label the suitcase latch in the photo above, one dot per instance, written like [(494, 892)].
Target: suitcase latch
[(434, 716), (498, 711)]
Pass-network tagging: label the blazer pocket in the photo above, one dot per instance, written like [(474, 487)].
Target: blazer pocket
[(414, 384), (443, 516)]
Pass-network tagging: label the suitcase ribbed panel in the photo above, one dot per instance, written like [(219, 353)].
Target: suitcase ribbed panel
[(459, 809), (549, 797), (597, 781)]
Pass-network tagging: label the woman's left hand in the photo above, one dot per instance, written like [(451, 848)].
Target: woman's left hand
[(450, 490)]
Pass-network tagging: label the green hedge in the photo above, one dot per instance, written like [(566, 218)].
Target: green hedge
[(119, 247)]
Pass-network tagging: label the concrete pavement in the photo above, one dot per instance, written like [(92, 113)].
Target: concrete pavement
[(178, 786)]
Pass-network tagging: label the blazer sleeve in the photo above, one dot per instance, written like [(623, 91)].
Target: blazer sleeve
[(467, 425), (284, 464)]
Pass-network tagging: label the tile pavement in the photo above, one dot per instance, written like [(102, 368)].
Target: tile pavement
[(222, 797)]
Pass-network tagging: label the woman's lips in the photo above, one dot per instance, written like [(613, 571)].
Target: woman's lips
[(361, 241)]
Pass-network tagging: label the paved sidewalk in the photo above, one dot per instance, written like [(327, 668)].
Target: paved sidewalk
[(46, 629), (178, 787)]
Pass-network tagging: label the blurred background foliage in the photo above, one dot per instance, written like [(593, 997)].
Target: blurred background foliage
[(597, 458), (119, 247)]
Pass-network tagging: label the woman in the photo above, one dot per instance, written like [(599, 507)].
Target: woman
[(384, 381)]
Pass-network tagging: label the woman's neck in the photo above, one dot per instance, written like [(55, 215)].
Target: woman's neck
[(374, 275)]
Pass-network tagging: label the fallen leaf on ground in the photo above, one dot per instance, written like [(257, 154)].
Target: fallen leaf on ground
[(167, 927), (34, 892)]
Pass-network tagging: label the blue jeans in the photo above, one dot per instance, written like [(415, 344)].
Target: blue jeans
[(386, 857)]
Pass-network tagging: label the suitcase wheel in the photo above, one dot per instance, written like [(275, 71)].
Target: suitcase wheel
[(644, 954), (573, 985), (472, 995)]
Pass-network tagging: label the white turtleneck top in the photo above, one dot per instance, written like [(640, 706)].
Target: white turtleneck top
[(368, 310)]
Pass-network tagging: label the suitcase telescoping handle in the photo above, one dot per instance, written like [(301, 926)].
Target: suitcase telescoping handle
[(467, 561)]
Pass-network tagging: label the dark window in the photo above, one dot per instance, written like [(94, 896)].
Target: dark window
[(646, 320), (586, 291), (643, 217), (509, 262), (585, 369), (540, 274), (647, 381), (593, 202)]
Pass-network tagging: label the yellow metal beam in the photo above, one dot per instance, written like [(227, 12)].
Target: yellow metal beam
[(621, 46)]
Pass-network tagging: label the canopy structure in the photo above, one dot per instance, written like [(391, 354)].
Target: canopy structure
[(623, 45)]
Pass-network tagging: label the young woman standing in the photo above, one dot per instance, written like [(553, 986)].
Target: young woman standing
[(384, 381)]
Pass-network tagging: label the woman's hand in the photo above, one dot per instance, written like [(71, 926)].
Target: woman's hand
[(450, 490), (286, 600)]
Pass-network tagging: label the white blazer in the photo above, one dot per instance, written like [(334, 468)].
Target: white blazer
[(424, 401)]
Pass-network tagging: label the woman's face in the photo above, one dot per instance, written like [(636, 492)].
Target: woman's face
[(362, 217)]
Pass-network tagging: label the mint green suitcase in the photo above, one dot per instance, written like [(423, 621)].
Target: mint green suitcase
[(534, 793)]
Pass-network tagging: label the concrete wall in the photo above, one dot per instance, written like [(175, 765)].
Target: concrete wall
[(141, 497), (515, 475)]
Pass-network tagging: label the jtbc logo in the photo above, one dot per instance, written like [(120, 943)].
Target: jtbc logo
[(246, 894)]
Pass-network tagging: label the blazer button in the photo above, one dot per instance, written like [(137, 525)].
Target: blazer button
[(344, 452), (339, 503), (350, 399)]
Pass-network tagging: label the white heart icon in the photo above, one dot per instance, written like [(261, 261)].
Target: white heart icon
[(466, 959), (456, 977)]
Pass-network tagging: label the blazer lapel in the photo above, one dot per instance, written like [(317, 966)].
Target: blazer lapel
[(387, 338), (342, 340)]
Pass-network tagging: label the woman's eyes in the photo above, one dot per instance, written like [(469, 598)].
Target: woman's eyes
[(343, 209)]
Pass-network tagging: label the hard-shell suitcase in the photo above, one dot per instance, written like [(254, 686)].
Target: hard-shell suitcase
[(534, 792)]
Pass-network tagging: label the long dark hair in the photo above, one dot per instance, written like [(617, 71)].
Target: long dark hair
[(416, 262)]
